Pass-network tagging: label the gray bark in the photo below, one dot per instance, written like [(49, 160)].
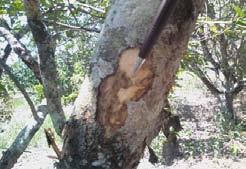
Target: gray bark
[(10, 157), (21, 51), (5, 56), (46, 51), (229, 107), (118, 112), (20, 87), (23, 139)]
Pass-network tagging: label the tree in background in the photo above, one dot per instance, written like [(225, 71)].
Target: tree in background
[(217, 52), (73, 26), (56, 24)]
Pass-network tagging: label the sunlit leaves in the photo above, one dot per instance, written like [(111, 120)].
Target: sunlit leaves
[(39, 92), (24, 75), (218, 43), (241, 22), (240, 12), (240, 16), (12, 7), (73, 47)]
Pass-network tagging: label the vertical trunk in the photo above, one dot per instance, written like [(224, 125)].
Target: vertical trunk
[(46, 51), (229, 106), (171, 126), (118, 111), (170, 149)]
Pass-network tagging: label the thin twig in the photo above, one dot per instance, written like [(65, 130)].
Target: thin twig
[(100, 10), (76, 28), (71, 11)]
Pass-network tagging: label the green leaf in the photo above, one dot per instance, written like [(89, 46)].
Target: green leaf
[(239, 11), (213, 28), (241, 22)]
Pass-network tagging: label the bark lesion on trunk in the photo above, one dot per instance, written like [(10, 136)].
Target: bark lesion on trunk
[(121, 87), (117, 112)]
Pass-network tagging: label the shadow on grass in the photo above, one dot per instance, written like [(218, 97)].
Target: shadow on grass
[(210, 148)]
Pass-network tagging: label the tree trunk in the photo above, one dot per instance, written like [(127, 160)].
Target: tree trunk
[(117, 112), (171, 126), (47, 65), (170, 149), (229, 107)]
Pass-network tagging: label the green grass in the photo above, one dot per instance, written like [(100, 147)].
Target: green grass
[(17, 103), (16, 125), (157, 144), (7, 137), (39, 139)]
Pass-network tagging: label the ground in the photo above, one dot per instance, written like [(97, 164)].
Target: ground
[(202, 142)]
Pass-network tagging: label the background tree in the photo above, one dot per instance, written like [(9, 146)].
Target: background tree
[(64, 27), (218, 49), (64, 21)]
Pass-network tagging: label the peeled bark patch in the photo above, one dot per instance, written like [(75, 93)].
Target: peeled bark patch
[(127, 106), (121, 87)]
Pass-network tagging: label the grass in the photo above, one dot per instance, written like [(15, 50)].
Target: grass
[(18, 103), (157, 144), (9, 135), (13, 127), (39, 140), (228, 144)]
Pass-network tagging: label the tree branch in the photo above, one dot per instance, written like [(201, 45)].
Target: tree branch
[(71, 11), (22, 52), (74, 28), (4, 58), (60, 7), (46, 51), (12, 40), (96, 9), (204, 79), (23, 139), (226, 70), (208, 54), (21, 32), (21, 88)]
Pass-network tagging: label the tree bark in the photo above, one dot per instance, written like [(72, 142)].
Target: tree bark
[(20, 87), (171, 126), (22, 52), (23, 139), (5, 56), (46, 51), (117, 112), (229, 107)]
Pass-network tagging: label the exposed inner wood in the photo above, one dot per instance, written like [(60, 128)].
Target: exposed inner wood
[(50, 136), (121, 87)]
